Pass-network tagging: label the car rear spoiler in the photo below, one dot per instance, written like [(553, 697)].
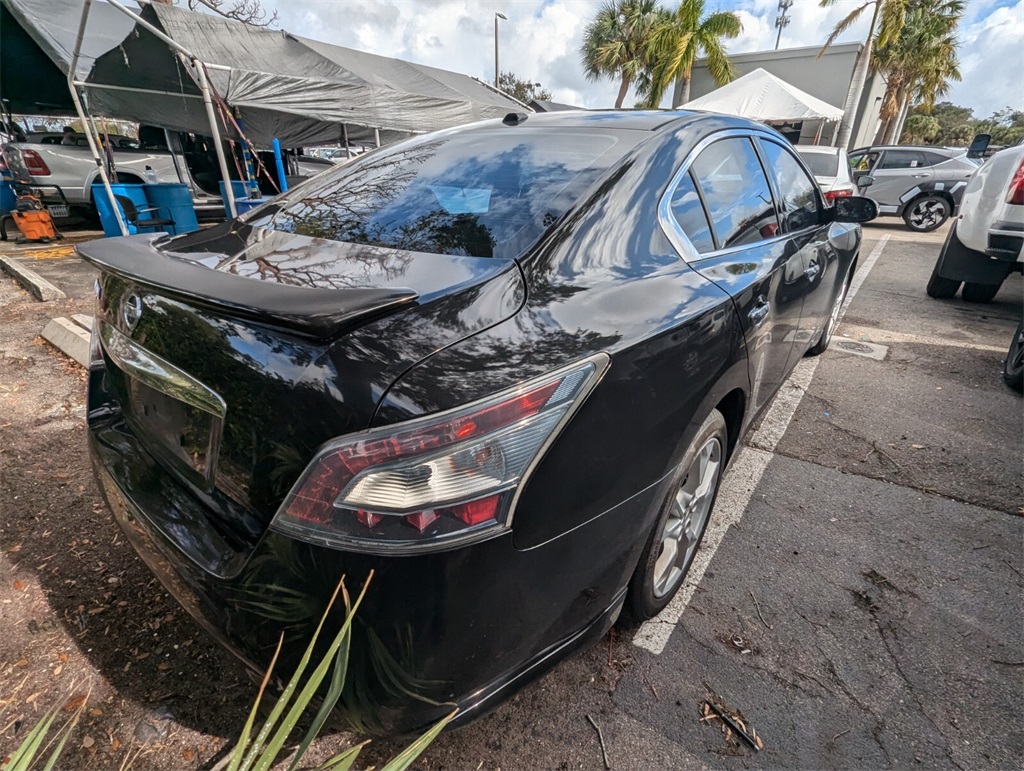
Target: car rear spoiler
[(309, 311)]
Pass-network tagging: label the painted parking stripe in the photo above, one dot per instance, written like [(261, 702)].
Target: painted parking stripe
[(743, 476)]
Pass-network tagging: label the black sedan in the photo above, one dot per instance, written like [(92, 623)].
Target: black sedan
[(504, 366)]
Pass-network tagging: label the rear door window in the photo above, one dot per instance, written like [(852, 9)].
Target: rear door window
[(799, 193), (902, 159), (481, 194), (736, 193)]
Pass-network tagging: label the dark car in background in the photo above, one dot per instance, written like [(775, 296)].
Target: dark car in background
[(504, 366)]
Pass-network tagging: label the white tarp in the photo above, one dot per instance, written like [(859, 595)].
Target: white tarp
[(761, 96)]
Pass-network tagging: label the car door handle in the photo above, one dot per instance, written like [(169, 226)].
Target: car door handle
[(919, 176), (759, 312), (813, 269)]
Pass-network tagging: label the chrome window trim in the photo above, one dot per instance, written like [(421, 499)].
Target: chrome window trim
[(671, 228)]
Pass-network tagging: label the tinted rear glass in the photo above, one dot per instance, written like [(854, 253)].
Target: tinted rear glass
[(822, 164), (479, 194)]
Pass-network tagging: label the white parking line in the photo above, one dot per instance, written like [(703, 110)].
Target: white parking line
[(742, 478)]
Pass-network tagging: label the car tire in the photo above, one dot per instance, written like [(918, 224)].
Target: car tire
[(941, 288), (927, 213), (1013, 367), (980, 293), (682, 521), (833, 319)]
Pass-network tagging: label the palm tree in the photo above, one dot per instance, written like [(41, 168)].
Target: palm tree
[(679, 37), (893, 15), (919, 62), (615, 43)]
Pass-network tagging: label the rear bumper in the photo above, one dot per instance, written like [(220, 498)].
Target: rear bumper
[(465, 627), (960, 263)]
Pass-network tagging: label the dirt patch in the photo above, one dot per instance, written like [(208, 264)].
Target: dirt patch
[(80, 613)]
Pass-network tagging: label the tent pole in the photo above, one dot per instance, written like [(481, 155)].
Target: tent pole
[(344, 137), (85, 121), (204, 87), (817, 134), (376, 136), (218, 147)]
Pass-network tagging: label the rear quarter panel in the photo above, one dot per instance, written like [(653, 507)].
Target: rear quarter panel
[(984, 201)]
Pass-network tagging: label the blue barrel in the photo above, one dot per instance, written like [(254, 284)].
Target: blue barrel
[(8, 201), (135, 193), (243, 202), (176, 202)]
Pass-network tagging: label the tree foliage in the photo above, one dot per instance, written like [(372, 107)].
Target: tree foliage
[(523, 90), (918, 62), (616, 43), (956, 126), (647, 45), (678, 38)]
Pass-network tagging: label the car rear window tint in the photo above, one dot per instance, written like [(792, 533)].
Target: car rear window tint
[(822, 164), (736, 193), (480, 194), (689, 213)]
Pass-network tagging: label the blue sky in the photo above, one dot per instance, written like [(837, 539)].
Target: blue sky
[(541, 38)]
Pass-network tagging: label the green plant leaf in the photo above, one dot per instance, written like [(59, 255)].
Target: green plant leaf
[(23, 757), (344, 761), (243, 741), (312, 684), (331, 698), (256, 751), (64, 733), (407, 757)]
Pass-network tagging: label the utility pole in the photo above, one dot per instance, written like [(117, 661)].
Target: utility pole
[(782, 20), (497, 70)]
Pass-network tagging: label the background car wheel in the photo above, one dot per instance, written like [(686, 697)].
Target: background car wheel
[(833, 319), (927, 213), (680, 526), (980, 293), (1013, 367)]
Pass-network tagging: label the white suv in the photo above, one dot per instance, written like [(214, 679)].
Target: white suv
[(984, 245)]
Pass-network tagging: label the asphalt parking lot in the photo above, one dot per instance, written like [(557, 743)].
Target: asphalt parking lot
[(858, 600)]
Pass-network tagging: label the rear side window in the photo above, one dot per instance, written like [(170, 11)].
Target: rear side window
[(822, 164), (480, 194), (736, 193), (798, 191), (933, 158), (902, 159), (689, 213)]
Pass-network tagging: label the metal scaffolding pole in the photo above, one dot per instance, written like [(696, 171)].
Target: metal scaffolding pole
[(204, 87), (85, 120)]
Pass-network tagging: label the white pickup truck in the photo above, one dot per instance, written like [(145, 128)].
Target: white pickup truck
[(71, 167)]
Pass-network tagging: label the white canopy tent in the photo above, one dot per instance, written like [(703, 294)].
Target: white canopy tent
[(761, 96)]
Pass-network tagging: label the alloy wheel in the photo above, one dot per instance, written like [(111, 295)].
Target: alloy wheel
[(927, 214), (687, 518)]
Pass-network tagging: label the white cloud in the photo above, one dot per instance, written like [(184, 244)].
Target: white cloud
[(541, 39)]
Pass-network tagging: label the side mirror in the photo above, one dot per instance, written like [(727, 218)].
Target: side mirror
[(854, 208), (865, 181)]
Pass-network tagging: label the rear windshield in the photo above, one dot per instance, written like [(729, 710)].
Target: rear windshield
[(822, 164), (478, 194)]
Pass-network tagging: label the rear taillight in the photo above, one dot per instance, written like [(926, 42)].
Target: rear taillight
[(1015, 194), (438, 481), (843, 192), (35, 164)]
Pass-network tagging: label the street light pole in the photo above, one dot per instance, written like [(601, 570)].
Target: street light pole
[(497, 71)]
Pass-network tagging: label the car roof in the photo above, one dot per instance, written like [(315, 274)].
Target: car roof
[(819, 149), (630, 120), (952, 152)]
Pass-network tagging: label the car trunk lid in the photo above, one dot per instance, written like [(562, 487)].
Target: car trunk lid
[(232, 355)]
